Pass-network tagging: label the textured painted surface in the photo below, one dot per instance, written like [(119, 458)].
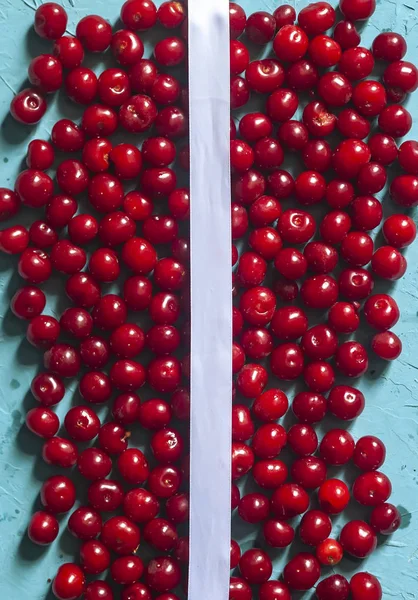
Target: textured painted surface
[(391, 393)]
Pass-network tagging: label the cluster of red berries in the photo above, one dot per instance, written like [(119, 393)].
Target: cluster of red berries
[(104, 345)]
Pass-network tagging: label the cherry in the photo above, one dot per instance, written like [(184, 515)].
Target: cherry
[(50, 21), (281, 105), (346, 34), (302, 572), (59, 452), (319, 292), (309, 472), (14, 240), (171, 15), (170, 52), (383, 148), (337, 447), (278, 534), (81, 85), (62, 359), (255, 566), (302, 439), (82, 423), (69, 582), (270, 405), (319, 342), (401, 75), (105, 495), (260, 27), (371, 178), (58, 494), (94, 557), (289, 323), (355, 284), (242, 459), (399, 231), (388, 263), (28, 106), (43, 528), (239, 589), (358, 539), (126, 570), (43, 331), (9, 203), (357, 10), (42, 235), (335, 586), (365, 585), (335, 89), (289, 500), (99, 121), (268, 440), (356, 63), (329, 552), (242, 425), (315, 527), (352, 359), (42, 422), (385, 519), (387, 345), (120, 535), (372, 488), (369, 98), (333, 496), (290, 44), (408, 157), (72, 177), (319, 376), (284, 15), (293, 134), (45, 73), (352, 125), (367, 212), (317, 155), (357, 248), (325, 52), (85, 523), (339, 194), (287, 361), (237, 20), (290, 263), (98, 590), (69, 52), (254, 508), (94, 463), (48, 389), (404, 190), (296, 226), (269, 474)]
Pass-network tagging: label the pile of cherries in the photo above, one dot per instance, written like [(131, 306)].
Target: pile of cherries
[(144, 231)]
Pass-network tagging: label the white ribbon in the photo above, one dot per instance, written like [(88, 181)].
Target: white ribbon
[(211, 301)]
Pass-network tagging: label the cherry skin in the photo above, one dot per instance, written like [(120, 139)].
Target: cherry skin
[(94, 464), (289, 500), (315, 527), (43, 422), (237, 20), (50, 21), (163, 574), (239, 589), (290, 43), (255, 566), (404, 190), (346, 34), (58, 494), (278, 534), (358, 539), (387, 345), (385, 519), (357, 10), (302, 572), (269, 474), (254, 508), (43, 528), (369, 98), (94, 557), (69, 582), (401, 75), (388, 263), (372, 488), (85, 523), (28, 106), (59, 452), (317, 18), (260, 27), (335, 586), (302, 439), (337, 447), (98, 590), (365, 585), (48, 389), (333, 496)]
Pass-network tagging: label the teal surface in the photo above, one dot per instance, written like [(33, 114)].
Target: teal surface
[(391, 393)]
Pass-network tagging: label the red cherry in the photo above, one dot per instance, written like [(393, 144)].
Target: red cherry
[(58, 494), (255, 566), (372, 488), (358, 539), (385, 519), (333, 496), (289, 500), (94, 557), (50, 21), (69, 581), (309, 472), (48, 389), (120, 535), (163, 574), (302, 572), (315, 527), (43, 528), (291, 43), (346, 35), (335, 586), (94, 464), (28, 106), (365, 585), (337, 447), (254, 508), (357, 10), (278, 534), (59, 452)]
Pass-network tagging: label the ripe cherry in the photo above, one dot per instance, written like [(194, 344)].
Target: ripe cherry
[(333, 496), (50, 21), (335, 586), (302, 572), (255, 566), (69, 581), (58, 494), (358, 539), (43, 528), (365, 585)]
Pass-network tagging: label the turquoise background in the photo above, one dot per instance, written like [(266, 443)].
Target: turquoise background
[(391, 392)]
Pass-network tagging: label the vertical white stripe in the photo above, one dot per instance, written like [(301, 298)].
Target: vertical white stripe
[(211, 297)]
